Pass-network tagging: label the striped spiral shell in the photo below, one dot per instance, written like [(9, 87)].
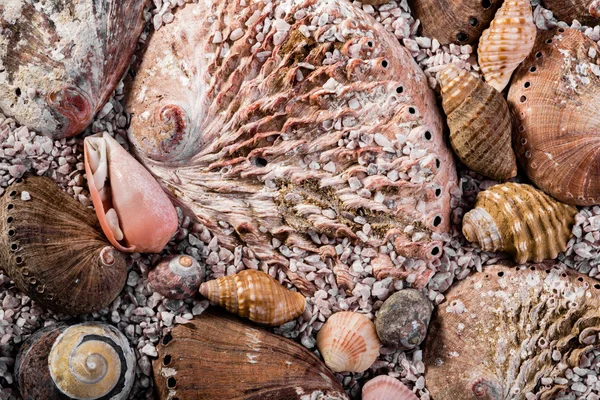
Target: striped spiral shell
[(176, 277)]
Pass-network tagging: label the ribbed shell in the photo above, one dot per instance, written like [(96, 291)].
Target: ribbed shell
[(585, 11), (480, 124), (52, 247), (176, 277), (385, 387), (521, 220), (506, 43), (348, 342), (555, 97), (255, 295)]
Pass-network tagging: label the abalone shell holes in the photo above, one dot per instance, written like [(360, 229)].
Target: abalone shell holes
[(462, 36)]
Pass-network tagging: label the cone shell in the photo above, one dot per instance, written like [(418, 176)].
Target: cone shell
[(255, 295), (520, 220), (585, 11), (480, 124), (385, 387), (176, 277), (555, 97), (506, 43), (348, 342), (52, 247), (216, 356)]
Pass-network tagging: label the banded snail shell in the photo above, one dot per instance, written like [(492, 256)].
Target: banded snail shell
[(176, 277)]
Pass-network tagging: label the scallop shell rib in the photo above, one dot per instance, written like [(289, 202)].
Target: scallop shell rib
[(385, 387), (53, 249), (555, 101), (255, 295), (196, 360), (507, 42), (499, 332), (62, 59), (585, 11), (520, 220), (480, 124)]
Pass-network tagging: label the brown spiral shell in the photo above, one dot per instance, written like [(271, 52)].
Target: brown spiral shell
[(176, 277), (585, 11)]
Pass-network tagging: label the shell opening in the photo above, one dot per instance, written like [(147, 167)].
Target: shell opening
[(486, 4), (113, 223), (473, 21)]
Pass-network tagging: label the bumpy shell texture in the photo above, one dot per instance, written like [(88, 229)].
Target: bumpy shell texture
[(385, 387), (501, 330), (506, 43), (299, 133), (480, 124), (215, 356), (52, 247), (61, 59), (176, 277), (520, 220), (555, 97), (585, 11), (255, 295)]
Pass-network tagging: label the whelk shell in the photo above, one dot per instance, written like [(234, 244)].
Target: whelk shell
[(506, 43), (585, 11), (521, 220), (176, 277), (385, 387), (480, 124)]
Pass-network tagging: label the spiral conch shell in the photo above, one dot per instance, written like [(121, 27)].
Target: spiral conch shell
[(520, 220), (585, 11), (480, 124), (506, 43), (91, 360), (385, 387), (255, 295)]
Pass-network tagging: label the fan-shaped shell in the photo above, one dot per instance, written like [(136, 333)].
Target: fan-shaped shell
[(585, 11), (520, 220), (62, 59), (555, 97), (216, 356), (176, 277), (480, 124), (385, 387), (52, 247), (255, 295), (348, 342), (506, 43), (91, 360)]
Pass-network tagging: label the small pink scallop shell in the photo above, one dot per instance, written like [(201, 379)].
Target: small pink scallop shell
[(385, 387)]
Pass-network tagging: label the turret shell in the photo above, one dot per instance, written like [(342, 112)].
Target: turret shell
[(385, 387), (176, 277)]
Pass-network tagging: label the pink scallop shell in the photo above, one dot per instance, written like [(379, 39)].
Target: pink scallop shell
[(385, 387)]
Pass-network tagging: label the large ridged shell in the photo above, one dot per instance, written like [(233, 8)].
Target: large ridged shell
[(555, 97), (385, 387), (480, 124), (520, 220), (60, 60), (215, 356), (52, 247), (255, 295), (506, 43), (585, 11), (500, 331)]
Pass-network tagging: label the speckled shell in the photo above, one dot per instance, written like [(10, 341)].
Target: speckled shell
[(62, 59), (585, 11), (52, 247), (385, 387), (506, 43), (555, 97), (176, 277), (480, 124), (255, 295), (91, 360), (495, 334), (454, 21), (215, 356), (521, 220), (348, 342)]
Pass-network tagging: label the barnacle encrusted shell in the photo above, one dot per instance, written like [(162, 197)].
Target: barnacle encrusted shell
[(260, 125), (176, 277), (60, 60), (52, 247), (216, 356), (454, 21), (521, 220), (585, 11), (385, 387), (501, 330), (480, 124), (348, 342), (91, 360), (555, 96), (255, 295), (506, 43)]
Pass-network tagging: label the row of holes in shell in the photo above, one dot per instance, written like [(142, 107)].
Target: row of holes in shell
[(532, 268), (473, 21)]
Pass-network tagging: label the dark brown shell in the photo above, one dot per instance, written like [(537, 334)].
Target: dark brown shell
[(216, 356), (176, 277), (52, 247), (584, 11)]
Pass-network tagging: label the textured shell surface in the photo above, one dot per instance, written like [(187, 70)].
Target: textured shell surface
[(348, 342), (501, 330), (385, 387), (521, 220), (52, 247), (216, 356), (507, 42), (62, 59), (176, 277), (299, 133), (480, 124), (555, 98), (255, 295), (585, 11)]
